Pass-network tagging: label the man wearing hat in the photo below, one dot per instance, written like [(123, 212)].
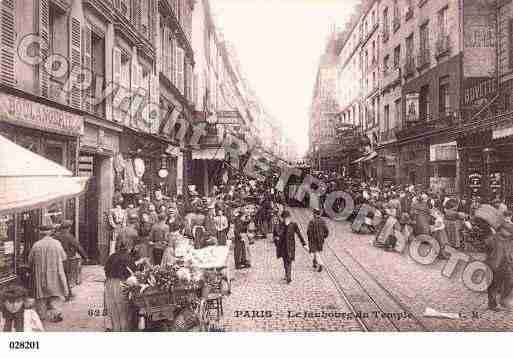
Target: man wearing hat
[(46, 258), (286, 243), (71, 247), (317, 233)]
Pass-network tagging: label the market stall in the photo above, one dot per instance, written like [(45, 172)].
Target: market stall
[(28, 181), (184, 294)]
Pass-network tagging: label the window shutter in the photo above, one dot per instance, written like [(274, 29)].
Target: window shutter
[(7, 42), (87, 62), (43, 29), (75, 58), (116, 78), (174, 70)]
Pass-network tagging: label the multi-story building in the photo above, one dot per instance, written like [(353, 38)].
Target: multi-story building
[(413, 94), (109, 89), (325, 109)]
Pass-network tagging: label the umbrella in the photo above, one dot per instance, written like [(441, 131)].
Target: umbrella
[(28, 180)]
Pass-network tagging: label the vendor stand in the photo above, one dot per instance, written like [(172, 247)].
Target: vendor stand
[(184, 296)]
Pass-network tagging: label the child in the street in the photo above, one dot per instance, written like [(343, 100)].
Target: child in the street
[(16, 313)]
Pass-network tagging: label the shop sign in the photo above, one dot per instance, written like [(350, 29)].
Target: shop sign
[(443, 152), (480, 92), (412, 107), (23, 112)]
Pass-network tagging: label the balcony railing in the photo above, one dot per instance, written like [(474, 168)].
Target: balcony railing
[(428, 122), (443, 45), (423, 58), (409, 66), (396, 23)]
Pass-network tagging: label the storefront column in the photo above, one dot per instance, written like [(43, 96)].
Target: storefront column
[(109, 45), (458, 188), (106, 193)]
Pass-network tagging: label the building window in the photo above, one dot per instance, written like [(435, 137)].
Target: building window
[(386, 30), (397, 56), (58, 31), (424, 55), (424, 103), (444, 101), (397, 18), (442, 21), (98, 68), (386, 64)]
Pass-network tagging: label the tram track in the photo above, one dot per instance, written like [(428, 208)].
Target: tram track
[(374, 307)]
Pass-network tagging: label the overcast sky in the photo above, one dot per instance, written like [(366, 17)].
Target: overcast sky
[(279, 43)]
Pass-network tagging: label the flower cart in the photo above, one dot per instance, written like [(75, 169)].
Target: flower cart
[(167, 298)]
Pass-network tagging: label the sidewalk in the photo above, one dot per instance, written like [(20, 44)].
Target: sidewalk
[(84, 312)]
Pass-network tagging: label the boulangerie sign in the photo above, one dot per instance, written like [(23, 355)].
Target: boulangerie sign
[(23, 112)]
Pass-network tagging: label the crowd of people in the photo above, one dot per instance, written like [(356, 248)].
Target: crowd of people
[(395, 215), (145, 230)]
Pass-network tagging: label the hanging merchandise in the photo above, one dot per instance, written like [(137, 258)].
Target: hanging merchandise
[(139, 167), (131, 181)]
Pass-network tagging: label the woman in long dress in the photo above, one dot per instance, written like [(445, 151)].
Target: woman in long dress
[(117, 270)]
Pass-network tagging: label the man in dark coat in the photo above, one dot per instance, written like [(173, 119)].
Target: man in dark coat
[(317, 232), (286, 243), (71, 246)]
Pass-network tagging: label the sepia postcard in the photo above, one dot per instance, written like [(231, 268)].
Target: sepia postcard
[(255, 166)]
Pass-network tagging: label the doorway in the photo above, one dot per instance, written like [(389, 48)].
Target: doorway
[(88, 166)]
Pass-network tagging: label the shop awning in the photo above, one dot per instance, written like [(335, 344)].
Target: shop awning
[(209, 154), (28, 180), (367, 157)]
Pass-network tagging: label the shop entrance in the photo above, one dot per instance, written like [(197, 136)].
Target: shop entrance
[(88, 204)]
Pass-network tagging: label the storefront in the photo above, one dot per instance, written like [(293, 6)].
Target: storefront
[(145, 163), (97, 149), (442, 158), (54, 134), (414, 164)]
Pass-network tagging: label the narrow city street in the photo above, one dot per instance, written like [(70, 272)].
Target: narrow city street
[(387, 291)]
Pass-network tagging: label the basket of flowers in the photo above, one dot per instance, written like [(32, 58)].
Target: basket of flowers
[(160, 292)]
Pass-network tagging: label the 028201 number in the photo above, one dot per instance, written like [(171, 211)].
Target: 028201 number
[(24, 345)]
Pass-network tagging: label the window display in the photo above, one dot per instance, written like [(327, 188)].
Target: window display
[(7, 257)]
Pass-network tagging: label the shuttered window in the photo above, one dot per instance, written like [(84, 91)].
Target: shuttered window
[(7, 41), (87, 63), (75, 57), (43, 16)]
